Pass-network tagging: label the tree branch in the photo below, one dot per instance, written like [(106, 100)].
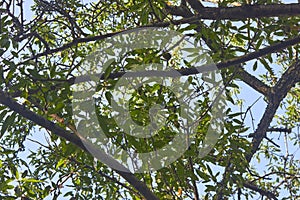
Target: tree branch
[(253, 82), (196, 70), (70, 44), (113, 179), (255, 188), (245, 76), (239, 12), (286, 130), (196, 5), (278, 92), (261, 52), (275, 96), (75, 139)]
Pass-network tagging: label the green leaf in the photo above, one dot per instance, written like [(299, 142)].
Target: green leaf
[(17, 174), (235, 114), (2, 114), (254, 66), (8, 122), (31, 180), (60, 163), (267, 66), (259, 42), (109, 51), (108, 96), (203, 175), (59, 107), (34, 73), (108, 71)]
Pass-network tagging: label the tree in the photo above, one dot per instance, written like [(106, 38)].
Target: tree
[(252, 42)]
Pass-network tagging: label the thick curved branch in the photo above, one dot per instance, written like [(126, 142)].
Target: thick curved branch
[(240, 12), (75, 139), (278, 92), (245, 76), (113, 179), (275, 96), (255, 188), (253, 82), (261, 52), (191, 71)]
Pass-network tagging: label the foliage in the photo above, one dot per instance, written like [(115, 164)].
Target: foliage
[(43, 49)]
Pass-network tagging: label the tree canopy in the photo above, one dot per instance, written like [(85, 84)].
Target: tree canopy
[(161, 120)]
